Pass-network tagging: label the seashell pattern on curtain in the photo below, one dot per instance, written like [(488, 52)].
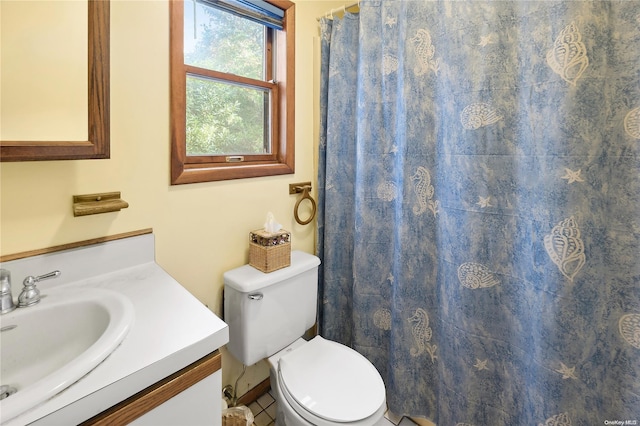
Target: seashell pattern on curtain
[(479, 206)]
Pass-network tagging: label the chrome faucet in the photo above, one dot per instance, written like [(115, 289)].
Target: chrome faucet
[(30, 294), (6, 300)]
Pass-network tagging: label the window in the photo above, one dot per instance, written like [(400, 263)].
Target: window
[(232, 81)]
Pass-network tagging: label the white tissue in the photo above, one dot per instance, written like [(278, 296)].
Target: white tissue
[(271, 226)]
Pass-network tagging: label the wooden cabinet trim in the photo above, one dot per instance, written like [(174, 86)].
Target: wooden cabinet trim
[(155, 395)]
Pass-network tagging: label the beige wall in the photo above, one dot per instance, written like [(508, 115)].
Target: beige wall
[(201, 229)]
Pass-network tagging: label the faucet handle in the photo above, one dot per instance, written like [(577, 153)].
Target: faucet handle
[(30, 294), (31, 280)]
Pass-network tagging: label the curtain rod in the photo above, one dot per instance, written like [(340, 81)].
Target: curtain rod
[(342, 9)]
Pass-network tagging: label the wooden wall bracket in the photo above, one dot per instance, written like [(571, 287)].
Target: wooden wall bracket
[(106, 202)]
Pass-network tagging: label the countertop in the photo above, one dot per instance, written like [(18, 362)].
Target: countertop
[(171, 330)]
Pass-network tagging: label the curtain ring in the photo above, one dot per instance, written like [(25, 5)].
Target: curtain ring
[(305, 196)]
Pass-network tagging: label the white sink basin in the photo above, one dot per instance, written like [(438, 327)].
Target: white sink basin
[(56, 342)]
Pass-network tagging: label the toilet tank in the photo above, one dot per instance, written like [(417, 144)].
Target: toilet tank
[(268, 311)]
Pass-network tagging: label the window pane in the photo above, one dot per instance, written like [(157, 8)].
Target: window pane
[(220, 41), (226, 119)]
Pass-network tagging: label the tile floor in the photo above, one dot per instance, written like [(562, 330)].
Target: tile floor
[(264, 413)]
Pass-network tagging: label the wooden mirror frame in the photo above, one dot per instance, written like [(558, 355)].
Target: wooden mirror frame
[(97, 145)]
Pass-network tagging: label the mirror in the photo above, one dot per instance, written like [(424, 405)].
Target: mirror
[(94, 143)]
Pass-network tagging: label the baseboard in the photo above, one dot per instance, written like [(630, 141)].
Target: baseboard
[(254, 393), (422, 422)]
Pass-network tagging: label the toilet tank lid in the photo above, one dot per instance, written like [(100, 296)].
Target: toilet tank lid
[(246, 279)]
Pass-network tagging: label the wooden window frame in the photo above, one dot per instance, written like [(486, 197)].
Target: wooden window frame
[(194, 169)]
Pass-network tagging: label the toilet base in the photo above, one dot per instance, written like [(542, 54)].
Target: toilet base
[(285, 415)]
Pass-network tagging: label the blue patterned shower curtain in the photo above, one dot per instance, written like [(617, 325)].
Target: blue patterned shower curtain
[(479, 197)]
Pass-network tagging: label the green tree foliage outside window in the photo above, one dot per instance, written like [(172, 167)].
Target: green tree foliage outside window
[(224, 118)]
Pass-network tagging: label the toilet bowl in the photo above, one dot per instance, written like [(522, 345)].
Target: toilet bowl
[(324, 383)]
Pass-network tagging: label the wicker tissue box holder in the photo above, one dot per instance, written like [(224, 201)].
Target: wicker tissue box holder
[(269, 252)]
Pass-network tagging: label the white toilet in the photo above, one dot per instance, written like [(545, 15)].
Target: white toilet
[(318, 382)]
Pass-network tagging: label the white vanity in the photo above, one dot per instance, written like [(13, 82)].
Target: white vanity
[(165, 371)]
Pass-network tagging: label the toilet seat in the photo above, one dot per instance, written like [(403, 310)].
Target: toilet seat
[(322, 380)]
